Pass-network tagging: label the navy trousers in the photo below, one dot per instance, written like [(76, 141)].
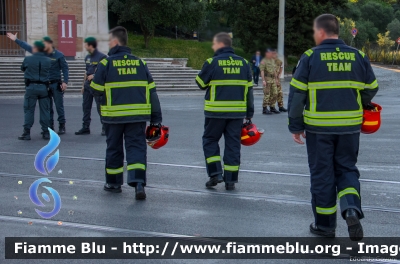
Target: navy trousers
[(34, 93), (334, 174), (87, 104), (256, 74), (57, 96), (214, 128)]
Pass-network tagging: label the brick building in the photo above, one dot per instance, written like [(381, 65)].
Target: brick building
[(67, 22)]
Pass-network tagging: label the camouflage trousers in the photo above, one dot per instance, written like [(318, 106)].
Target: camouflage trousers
[(280, 94), (270, 94)]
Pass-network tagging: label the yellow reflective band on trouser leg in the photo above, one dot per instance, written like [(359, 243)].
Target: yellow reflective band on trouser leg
[(326, 211), (136, 166), (213, 159), (231, 168), (115, 171), (348, 191)]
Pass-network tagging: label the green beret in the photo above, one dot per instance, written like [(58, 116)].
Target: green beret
[(47, 39), (39, 44), (90, 39)]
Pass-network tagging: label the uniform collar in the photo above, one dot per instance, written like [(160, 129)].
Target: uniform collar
[(94, 52), (332, 41), (119, 49), (224, 50), (40, 54)]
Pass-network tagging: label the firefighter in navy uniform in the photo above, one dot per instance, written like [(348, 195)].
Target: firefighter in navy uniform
[(92, 60), (229, 99), (129, 100), (331, 86)]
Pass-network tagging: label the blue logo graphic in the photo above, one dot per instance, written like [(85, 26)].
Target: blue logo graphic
[(46, 151), (35, 199)]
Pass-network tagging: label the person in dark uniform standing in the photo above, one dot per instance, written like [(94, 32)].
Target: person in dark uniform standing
[(92, 60), (36, 70), (229, 99), (129, 101), (57, 86), (331, 86)]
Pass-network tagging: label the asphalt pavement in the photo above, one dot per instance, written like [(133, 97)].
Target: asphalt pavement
[(272, 198)]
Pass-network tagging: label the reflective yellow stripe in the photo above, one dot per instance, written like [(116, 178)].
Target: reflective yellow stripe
[(125, 113), (333, 122), (210, 60), (362, 53), (371, 123), (144, 63), (115, 171), (151, 85), (344, 114), (97, 87), (226, 103), (137, 166), (347, 191), (313, 100), (231, 168), (104, 62), (373, 85), (213, 159), (326, 211), (126, 107), (200, 81), (229, 82), (126, 84), (309, 52), (336, 84), (249, 84), (225, 109), (298, 84)]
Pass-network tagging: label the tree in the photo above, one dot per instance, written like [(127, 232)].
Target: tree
[(346, 25), (256, 22), (367, 32), (150, 14), (394, 28), (377, 12)]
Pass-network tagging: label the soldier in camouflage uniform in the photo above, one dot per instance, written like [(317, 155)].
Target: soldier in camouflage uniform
[(268, 76), (279, 69)]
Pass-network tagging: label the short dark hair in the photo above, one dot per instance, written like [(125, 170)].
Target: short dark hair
[(121, 34), (91, 41), (224, 38), (329, 23)]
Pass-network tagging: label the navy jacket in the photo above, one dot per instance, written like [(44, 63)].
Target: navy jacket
[(91, 62), (58, 62), (129, 90), (36, 68), (228, 83), (330, 87)]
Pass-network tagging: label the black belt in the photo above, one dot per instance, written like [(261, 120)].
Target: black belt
[(37, 82), (55, 81)]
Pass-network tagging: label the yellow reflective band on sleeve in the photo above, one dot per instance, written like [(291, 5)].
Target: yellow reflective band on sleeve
[(125, 113), (336, 85), (298, 84), (225, 109), (210, 60), (309, 52), (373, 85), (341, 114), (362, 53), (127, 84), (250, 84), (229, 82), (97, 86), (151, 85), (347, 191), (213, 159), (231, 168), (333, 122), (326, 211), (104, 62), (115, 171), (200, 81), (136, 166)]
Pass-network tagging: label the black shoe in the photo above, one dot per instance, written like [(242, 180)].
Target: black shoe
[(103, 132), (316, 231), (356, 232), (229, 186), (266, 111), (140, 193), (84, 131), (282, 109), (46, 135), (26, 135), (113, 189), (61, 129), (214, 180), (273, 110)]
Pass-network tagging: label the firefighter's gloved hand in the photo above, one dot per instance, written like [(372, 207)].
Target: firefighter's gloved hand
[(369, 107)]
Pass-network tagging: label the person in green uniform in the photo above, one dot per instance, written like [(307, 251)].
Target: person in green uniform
[(268, 76)]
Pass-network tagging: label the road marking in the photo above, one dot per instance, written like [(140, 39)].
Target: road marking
[(203, 167)]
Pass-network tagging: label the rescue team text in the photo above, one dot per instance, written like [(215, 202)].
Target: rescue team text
[(124, 63), (338, 66), (231, 70)]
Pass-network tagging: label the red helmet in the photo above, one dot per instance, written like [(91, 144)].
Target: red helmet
[(372, 119), (157, 136), (251, 134)]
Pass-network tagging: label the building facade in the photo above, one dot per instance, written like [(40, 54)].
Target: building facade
[(67, 22)]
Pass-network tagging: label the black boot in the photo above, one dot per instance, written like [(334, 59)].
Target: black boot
[(61, 129), (113, 189), (214, 180), (282, 109), (266, 111), (26, 135), (229, 186), (356, 232), (46, 135), (273, 110), (319, 232), (85, 130), (140, 193)]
